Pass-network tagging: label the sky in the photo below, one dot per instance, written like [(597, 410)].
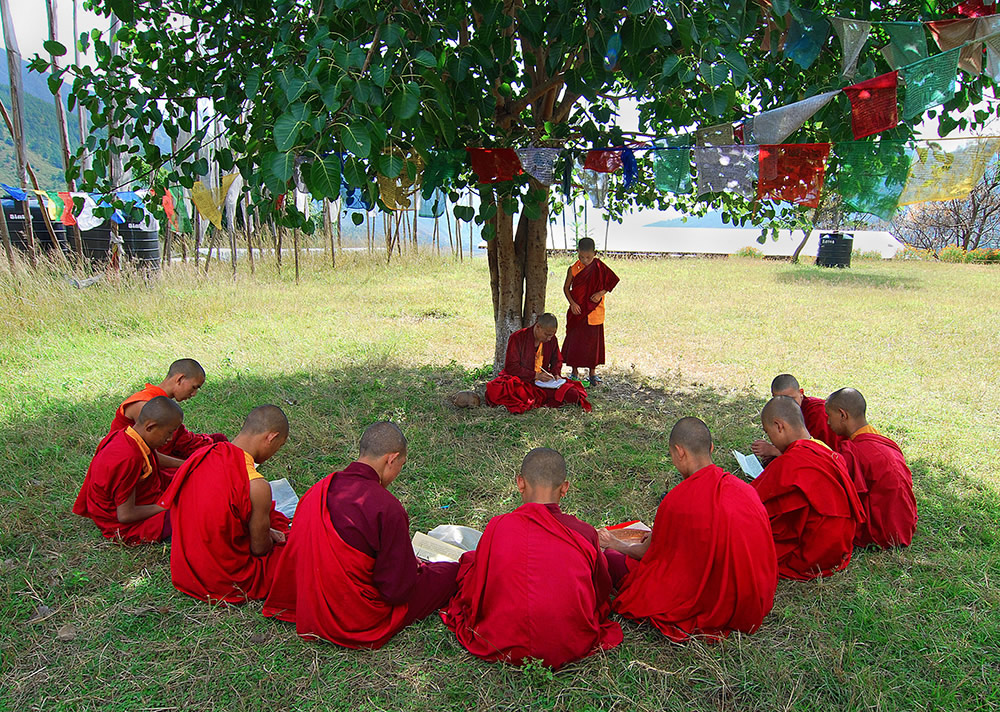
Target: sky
[(31, 24)]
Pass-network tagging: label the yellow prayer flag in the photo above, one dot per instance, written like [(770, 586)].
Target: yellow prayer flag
[(397, 192), (936, 174), (204, 201), (50, 205)]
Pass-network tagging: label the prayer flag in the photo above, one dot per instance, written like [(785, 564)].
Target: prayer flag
[(853, 34), (539, 163), (493, 165), (86, 219), (15, 193), (603, 161), (594, 183), (972, 8), (792, 172), (630, 166), (907, 43), (806, 36), (950, 34), (434, 206), (397, 191), (929, 82), (775, 125), (868, 176), (726, 169), (67, 214), (203, 200), (873, 105), (718, 135), (672, 166), (937, 174)]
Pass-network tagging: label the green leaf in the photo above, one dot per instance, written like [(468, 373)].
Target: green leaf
[(283, 165), (465, 213), (380, 75), (637, 7), (288, 126), (389, 165), (715, 75), (292, 83), (356, 139), (324, 178), (357, 218), (124, 10), (425, 59), (670, 65), (780, 8), (56, 49), (406, 102)]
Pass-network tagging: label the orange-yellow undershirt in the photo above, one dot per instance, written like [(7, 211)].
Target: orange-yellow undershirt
[(147, 466), (539, 358), (595, 317), (252, 473), (867, 430), (820, 442)]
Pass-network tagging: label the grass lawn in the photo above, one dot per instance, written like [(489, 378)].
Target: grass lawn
[(89, 625)]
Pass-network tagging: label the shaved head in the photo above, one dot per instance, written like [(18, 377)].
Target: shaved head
[(785, 409), (848, 400), (265, 419), (586, 244), (160, 410), (548, 321), (784, 383), (382, 438), (544, 467), (187, 367), (693, 435)]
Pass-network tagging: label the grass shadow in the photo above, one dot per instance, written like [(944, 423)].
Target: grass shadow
[(805, 274), (872, 636)]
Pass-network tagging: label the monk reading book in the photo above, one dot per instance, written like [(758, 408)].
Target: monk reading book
[(537, 584), (709, 566), (884, 482), (183, 380), (809, 496), (124, 483), (348, 574), (813, 413), (588, 280), (227, 537), (533, 357)]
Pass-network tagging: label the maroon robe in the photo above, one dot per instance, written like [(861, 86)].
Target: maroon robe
[(814, 413), (515, 387), (880, 470), (537, 587), (583, 346), (711, 567)]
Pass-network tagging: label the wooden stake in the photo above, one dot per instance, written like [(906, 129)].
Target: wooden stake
[(81, 117), (295, 248)]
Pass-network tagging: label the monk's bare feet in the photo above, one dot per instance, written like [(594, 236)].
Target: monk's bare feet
[(575, 376)]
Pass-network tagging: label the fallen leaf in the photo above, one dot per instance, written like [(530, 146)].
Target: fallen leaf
[(258, 638), (163, 610), (67, 632), (41, 613)]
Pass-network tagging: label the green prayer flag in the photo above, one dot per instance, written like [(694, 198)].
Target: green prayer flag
[(672, 165), (907, 43), (869, 176), (929, 82)]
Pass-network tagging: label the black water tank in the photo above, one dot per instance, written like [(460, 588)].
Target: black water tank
[(13, 213), (835, 249), (141, 244)]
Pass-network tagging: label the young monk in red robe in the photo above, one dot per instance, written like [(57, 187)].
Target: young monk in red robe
[(227, 536), (809, 496), (183, 380), (537, 585), (533, 355), (588, 280), (124, 483), (709, 565), (813, 413), (884, 482), (348, 574)]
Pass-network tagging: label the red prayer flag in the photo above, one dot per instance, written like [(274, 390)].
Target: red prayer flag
[(67, 215), (738, 133), (493, 165), (603, 161), (792, 172), (167, 201), (972, 8), (873, 105)]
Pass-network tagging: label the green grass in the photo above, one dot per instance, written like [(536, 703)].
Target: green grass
[(903, 630)]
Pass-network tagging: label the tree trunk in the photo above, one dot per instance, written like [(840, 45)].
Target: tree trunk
[(506, 279), (533, 234)]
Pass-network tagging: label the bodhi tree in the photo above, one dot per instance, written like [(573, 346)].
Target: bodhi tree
[(377, 94)]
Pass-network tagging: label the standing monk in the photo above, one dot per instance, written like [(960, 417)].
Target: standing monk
[(813, 414), (533, 355), (884, 482), (227, 536), (809, 496), (124, 483), (348, 574), (537, 584), (709, 566), (588, 280)]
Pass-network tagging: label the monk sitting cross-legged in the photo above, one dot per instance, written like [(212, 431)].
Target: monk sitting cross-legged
[(708, 567), (884, 482), (183, 380), (588, 280), (813, 414), (533, 355), (809, 496), (348, 574), (227, 535), (537, 585), (124, 483)]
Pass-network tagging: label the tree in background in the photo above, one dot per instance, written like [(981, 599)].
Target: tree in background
[(345, 91), (968, 224)]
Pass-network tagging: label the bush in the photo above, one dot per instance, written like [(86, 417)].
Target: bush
[(982, 255), (915, 253), (952, 253), (750, 252), (869, 255)]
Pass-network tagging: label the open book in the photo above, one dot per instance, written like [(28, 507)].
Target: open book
[(631, 532), (446, 542), (749, 464), (555, 383), (284, 497)]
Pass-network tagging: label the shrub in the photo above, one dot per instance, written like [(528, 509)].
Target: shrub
[(983, 255), (952, 253), (869, 255), (751, 252), (915, 253)]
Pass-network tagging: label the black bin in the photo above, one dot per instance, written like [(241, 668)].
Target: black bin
[(141, 245), (835, 249), (13, 213)]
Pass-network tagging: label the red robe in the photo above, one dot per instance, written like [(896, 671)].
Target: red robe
[(533, 588), (885, 487), (118, 467), (583, 346), (814, 413), (711, 567), (209, 502), (183, 442), (327, 587), (515, 387), (814, 510)]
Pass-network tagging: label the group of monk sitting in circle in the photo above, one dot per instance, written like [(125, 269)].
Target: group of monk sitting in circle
[(541, 584)]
